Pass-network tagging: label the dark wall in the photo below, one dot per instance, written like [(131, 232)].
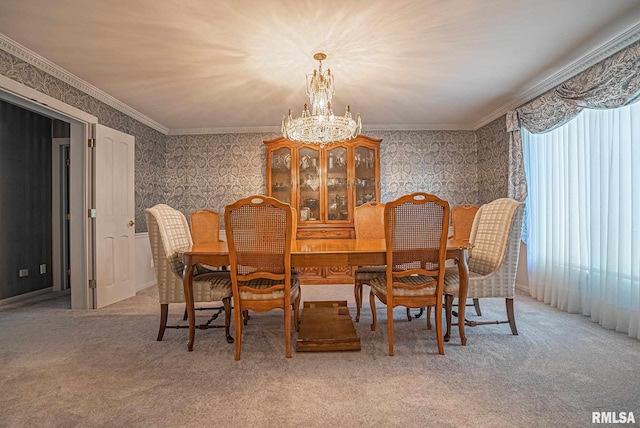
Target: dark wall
[(25, 200), (60, 129)]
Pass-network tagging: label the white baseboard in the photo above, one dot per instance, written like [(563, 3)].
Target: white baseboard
[(140, 287), (145, 273), (523, 288)]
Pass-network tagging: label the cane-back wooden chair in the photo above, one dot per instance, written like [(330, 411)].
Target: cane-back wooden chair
[(169, 232), (205, 226), (369, 224), (462, 220), (493, 259), (259, 233), (462, 217), (416, 227)]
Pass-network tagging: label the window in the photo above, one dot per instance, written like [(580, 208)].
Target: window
[(583, 250)]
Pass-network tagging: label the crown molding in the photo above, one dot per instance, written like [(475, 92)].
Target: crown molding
[(617, 44), (277, 130), (58, 72), (226, 130), (431, 127)]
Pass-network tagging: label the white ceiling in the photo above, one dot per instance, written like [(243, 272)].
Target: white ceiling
[(239, 65)]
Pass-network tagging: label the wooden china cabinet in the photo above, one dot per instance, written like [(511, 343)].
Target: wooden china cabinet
[(324, 185)]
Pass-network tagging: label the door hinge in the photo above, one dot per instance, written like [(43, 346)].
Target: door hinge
[(68, 217), (68, 272), (91, 142), (91, 213), (92, 283), (68, 161)]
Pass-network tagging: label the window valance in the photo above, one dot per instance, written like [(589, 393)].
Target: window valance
[(611, 83)]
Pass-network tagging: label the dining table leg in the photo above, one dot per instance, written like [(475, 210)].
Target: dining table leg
[(188, 296)]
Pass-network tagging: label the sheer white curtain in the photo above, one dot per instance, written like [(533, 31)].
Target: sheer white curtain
[(583, 249)]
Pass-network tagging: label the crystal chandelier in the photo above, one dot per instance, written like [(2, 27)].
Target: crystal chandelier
[(320, 126)]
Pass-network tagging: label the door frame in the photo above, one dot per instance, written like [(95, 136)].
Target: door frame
[(59, 197), (82, 269)]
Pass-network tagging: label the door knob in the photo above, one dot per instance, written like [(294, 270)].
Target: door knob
[(131, 223)]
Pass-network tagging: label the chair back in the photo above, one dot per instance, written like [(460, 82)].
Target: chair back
[(416, 227), (369, 220), (259, 232), (462, 217), (205, 226), (168, 232), (495, 236)]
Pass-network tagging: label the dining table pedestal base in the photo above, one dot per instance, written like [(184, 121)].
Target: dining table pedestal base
[(326, 326)]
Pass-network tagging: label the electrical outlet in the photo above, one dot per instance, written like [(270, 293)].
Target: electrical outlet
[(152, 266), (23, 272), (43, 269)]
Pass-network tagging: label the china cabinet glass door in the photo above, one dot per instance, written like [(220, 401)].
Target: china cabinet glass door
[(309, 179), (281, 174), (337, 188), (365, 177)]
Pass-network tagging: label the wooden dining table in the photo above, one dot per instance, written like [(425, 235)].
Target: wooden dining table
[(318, 252)]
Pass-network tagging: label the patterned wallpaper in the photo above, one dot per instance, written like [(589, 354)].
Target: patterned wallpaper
[(493, 161), (150, 144), (212, 171), (190, 172), (443, 163)]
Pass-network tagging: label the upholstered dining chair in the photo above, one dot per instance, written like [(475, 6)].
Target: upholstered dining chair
[(259, 232), (416, 227), (168, 232), (493, 259)]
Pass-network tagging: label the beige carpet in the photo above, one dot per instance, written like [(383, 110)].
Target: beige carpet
[(104, 368)]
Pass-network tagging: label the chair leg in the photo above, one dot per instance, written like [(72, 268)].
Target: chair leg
[(245, 317), (428, 317), (408, 314), (164, 311), (372, 302), (227, 318), (439, 337), (511, 316), (296, 311), (184, 317), (287, 331), (476, 304), (238, 326), (357, 293), (390, 324), (448, 304)]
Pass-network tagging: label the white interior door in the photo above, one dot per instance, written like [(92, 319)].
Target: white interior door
[(114, 216)]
